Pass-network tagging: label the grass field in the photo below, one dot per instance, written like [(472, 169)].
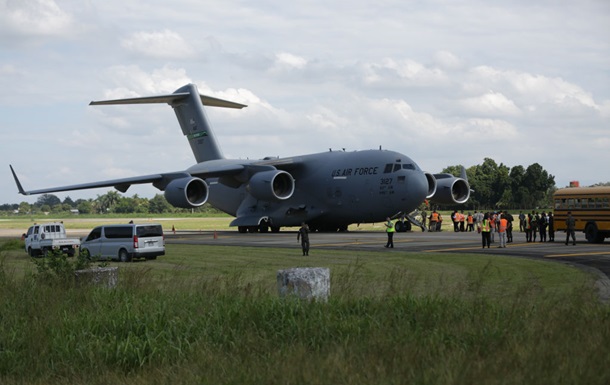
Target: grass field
[(211, 314)]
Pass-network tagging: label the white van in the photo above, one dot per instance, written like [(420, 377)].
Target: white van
[(125, 242)]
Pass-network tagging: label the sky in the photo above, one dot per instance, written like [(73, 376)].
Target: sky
[(444, 82)]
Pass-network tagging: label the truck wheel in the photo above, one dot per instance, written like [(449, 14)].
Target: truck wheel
[(31, 252), (124, 256)]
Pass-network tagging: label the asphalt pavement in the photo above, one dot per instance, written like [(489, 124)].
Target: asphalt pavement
[(583, 254)]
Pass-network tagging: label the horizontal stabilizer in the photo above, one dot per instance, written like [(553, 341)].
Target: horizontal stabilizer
[(170, 99)]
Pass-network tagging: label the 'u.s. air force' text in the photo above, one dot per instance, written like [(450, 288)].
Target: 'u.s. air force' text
[(355, 171)]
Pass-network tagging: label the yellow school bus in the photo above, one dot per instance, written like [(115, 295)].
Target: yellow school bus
[(590, 206)]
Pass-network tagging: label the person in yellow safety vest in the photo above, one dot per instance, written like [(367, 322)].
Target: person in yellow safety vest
[(503, 225), (390, 231), (486, 231), (470, 222), (492, 222), (433, 220)]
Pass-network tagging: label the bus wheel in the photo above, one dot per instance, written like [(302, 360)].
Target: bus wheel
[(591, 233)]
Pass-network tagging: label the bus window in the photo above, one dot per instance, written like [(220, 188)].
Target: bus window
[(557, 204), (584, 202), (570, 203), (605, 203)]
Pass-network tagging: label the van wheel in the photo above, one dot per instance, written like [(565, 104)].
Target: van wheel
[(124, 256)]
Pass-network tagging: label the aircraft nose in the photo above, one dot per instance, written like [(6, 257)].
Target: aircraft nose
[(417, 189)]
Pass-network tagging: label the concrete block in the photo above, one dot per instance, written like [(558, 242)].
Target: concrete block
[(309, 283), (100, 276)]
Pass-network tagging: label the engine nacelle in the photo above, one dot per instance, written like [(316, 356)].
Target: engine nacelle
[(431, 185), (187, 193), (272, 185), (450, 190)]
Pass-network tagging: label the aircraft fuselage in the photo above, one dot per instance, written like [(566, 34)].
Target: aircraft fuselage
[(332, 190)]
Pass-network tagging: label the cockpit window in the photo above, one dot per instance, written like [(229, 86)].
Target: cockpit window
[(393, 167)]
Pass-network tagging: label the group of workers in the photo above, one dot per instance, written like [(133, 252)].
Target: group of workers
[(488, 224), (536, 223)]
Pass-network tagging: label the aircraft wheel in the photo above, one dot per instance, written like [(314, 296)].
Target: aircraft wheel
[(275, 229), (400, 227), (252, 229), (242, 229)]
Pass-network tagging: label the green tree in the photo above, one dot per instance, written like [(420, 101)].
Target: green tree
[(158, 204), (538, 182), (24, 208), (84, 206), (47, 199), (126, 205)]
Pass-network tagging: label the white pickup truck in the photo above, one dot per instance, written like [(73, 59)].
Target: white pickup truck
[(42, 238)]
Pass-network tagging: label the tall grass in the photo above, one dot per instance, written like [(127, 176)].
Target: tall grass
[(229, 329)]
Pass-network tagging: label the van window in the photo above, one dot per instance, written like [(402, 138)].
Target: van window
[(95, 234), (149, 231), (118, 232)]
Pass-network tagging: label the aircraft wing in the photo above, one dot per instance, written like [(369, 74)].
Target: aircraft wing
[(160, 181), (120, 184)]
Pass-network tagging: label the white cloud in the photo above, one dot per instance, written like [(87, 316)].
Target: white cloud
[(405, 72), (532, 90), (133, 81), (491, 103), (448, 60), (34, 17), (287, 61), (444, 83), (161, 44)]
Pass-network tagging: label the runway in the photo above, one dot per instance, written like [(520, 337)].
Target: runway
[(583, 254)]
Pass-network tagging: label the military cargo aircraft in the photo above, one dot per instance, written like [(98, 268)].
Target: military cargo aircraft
[(328, 190)]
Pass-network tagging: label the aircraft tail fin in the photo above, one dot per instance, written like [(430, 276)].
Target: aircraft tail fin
[(188, 106)]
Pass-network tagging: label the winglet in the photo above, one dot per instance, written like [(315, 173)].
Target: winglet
[(21, 190)]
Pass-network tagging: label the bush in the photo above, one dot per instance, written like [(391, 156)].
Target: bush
[(57, 268)]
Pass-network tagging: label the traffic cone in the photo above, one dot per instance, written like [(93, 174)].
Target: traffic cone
[(215, 235)]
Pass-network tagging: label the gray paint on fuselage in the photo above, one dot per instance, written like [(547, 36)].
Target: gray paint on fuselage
[(345, 184)]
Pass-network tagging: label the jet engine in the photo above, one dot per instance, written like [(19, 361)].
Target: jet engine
[(450, 190), (187, 192), (272, 185), (431, 185)]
